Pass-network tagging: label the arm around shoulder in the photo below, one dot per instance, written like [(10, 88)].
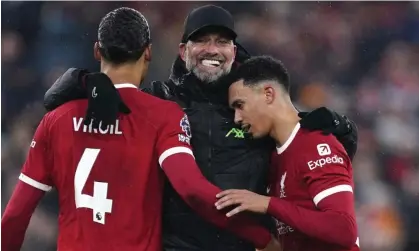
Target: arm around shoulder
[(177, 161), (66, 88)]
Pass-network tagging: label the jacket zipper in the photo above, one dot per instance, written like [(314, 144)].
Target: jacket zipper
[(210, 139)]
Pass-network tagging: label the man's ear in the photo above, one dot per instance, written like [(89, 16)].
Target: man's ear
[(182, 50), (147, 53), (96, 52), (270, 93)]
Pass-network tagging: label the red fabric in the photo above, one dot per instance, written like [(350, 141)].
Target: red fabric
[(333, 223), (109, 182), (313, 194), (17, 215)]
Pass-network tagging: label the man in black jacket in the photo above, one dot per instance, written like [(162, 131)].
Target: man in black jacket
[(225, 154)]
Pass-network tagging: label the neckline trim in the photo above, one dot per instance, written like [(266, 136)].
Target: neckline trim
[(288, 142), (125, 85)]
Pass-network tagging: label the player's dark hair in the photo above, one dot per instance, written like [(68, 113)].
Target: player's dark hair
[(123, 35), (262, 68)]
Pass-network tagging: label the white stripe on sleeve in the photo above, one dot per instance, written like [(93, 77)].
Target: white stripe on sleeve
[(323, 194), (34, 183), (174, 150)]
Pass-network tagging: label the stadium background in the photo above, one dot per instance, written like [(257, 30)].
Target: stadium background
[(361, 59)]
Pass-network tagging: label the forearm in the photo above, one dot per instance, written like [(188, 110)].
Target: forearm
[(200, 195), (17, 215), (333, 226)]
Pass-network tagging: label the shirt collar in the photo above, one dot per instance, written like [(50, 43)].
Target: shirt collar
[(284, 147), (125, 85)]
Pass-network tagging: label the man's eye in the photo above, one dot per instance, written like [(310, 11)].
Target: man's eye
[(201, 40)]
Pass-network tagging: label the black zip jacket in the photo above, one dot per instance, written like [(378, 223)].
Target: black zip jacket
[(225, 155)]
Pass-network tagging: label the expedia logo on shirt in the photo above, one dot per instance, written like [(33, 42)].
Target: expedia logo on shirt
[(321, 162)]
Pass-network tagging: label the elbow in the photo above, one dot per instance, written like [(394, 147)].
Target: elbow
[(349, 241), (194, 189), (349, 233), (9, 221), (192, 197), (195, 196), (187, 191)]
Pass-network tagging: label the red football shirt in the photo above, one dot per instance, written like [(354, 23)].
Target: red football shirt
[(109, 181), (308, 170)]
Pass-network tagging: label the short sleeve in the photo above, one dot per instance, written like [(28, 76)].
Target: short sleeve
[(174, 135), (326, 168), (36, 170)]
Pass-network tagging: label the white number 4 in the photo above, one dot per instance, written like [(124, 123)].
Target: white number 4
[(98, 202)]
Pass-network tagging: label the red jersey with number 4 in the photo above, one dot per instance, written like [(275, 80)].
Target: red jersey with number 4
[(311, 171), (109, 181)]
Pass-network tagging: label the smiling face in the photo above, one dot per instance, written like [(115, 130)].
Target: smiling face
[(251, 106), (209, 56)]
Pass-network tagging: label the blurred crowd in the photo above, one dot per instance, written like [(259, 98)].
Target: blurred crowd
[(360, 59)]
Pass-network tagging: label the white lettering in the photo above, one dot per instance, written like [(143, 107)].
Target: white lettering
[(110, 129), (117, 128), (282, 228), (85, 128), (91, 126), (33, 143), (321, 162), (103, 131), (77, 124)]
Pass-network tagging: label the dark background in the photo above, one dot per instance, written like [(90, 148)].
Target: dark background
[(361, 59)]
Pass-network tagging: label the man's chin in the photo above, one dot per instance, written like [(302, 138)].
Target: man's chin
[(257, 135), (208, 76)]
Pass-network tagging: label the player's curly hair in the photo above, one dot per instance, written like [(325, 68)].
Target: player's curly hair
[(262, 68), (123, 35)]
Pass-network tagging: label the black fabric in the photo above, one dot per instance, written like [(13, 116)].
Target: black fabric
[(76, 83), (330, 122), (66, 88), (104, 101), (208, 16), (226, 159)]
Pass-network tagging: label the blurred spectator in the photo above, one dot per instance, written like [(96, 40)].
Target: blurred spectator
[(360, 58)]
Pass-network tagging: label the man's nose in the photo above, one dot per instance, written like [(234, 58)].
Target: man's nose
[(211, 47), (237, 118)]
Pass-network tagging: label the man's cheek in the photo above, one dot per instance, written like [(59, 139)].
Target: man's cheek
[(258, 113)]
